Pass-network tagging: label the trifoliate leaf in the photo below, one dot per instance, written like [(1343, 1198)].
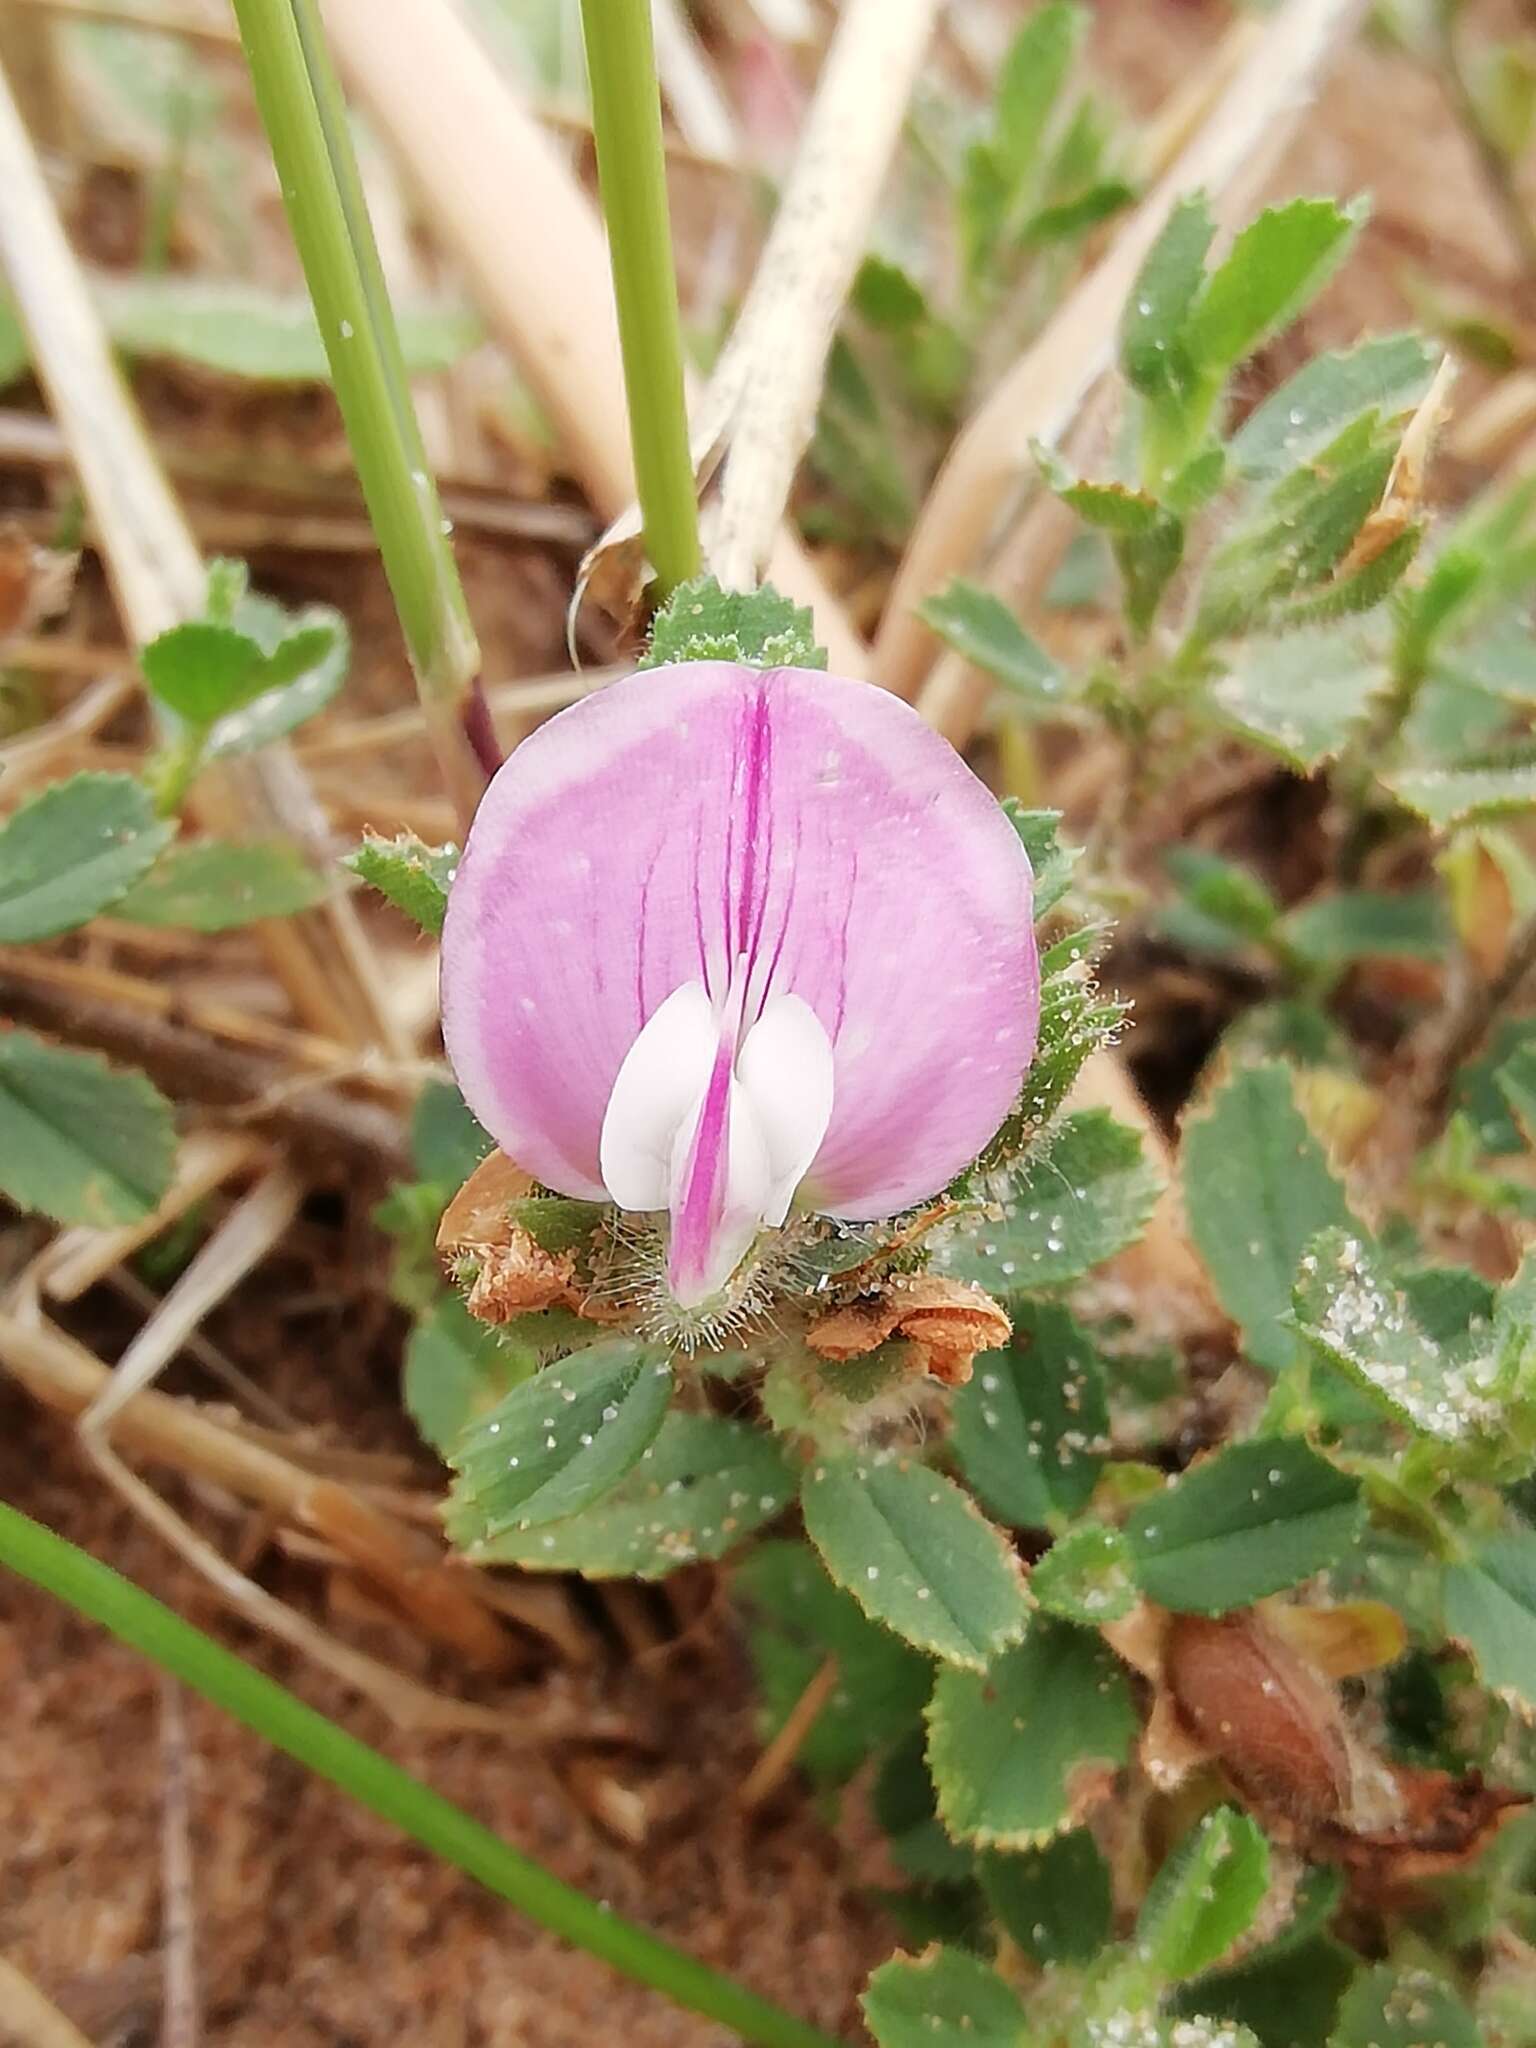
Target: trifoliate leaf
[(914, 1552), (1250, 1521), (1257, 1190), (1014, 1748), (73, 850), (79, 1140)]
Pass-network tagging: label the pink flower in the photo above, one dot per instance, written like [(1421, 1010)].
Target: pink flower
[(725, 939)]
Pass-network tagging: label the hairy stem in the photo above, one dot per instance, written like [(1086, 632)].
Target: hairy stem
[(631, 169)]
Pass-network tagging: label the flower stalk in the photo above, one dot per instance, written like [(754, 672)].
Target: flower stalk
[(139, 1620), (631, 169), (305, 117)]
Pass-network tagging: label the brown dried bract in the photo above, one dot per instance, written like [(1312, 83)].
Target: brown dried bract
[(946, 1321), (1443, 1824), (516, 1276)]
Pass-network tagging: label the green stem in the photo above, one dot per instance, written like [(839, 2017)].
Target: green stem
[(305, 118), (631, 170), (95, 1590)]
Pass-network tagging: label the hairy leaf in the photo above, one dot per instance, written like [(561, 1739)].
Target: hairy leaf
[(73, 850), (1257, 1190), (1016, 1748), (558, 1442), (914, 1552), (703, 1485), (1245, 1523), (79, 1140)]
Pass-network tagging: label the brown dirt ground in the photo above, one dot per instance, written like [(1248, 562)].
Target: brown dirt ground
[(316, 1927)]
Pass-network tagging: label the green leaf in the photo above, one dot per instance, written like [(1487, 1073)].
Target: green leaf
[(1220, 903), (240, 330), (1205, 1898), (202, 671), (1257, 1190), (1012, 1748), (1083, 1195), (558, 1442), (1306, 414), (212, 885), (415, 877), (1302, 696), (79, 1140), (73, 850), (1490, 1605), (1445, 797), (1305, 530), (1153, 357), (1076, 1020), (1086, 1576), (246, 685), (758, 628), (306, 665), (983, 629), (1361, 924), (1147, 562), (914, 1552), (943, 1999), (1354, 1318), (457, 1369), (1250, 1521), (1276, 265), (1030, 1428), (703, 1485), (905, 1808), (1054, 1902), (798, 1619), (447, 1144), (1390, 2007), (1030, 82), (1116, 509), (1052, 863)]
